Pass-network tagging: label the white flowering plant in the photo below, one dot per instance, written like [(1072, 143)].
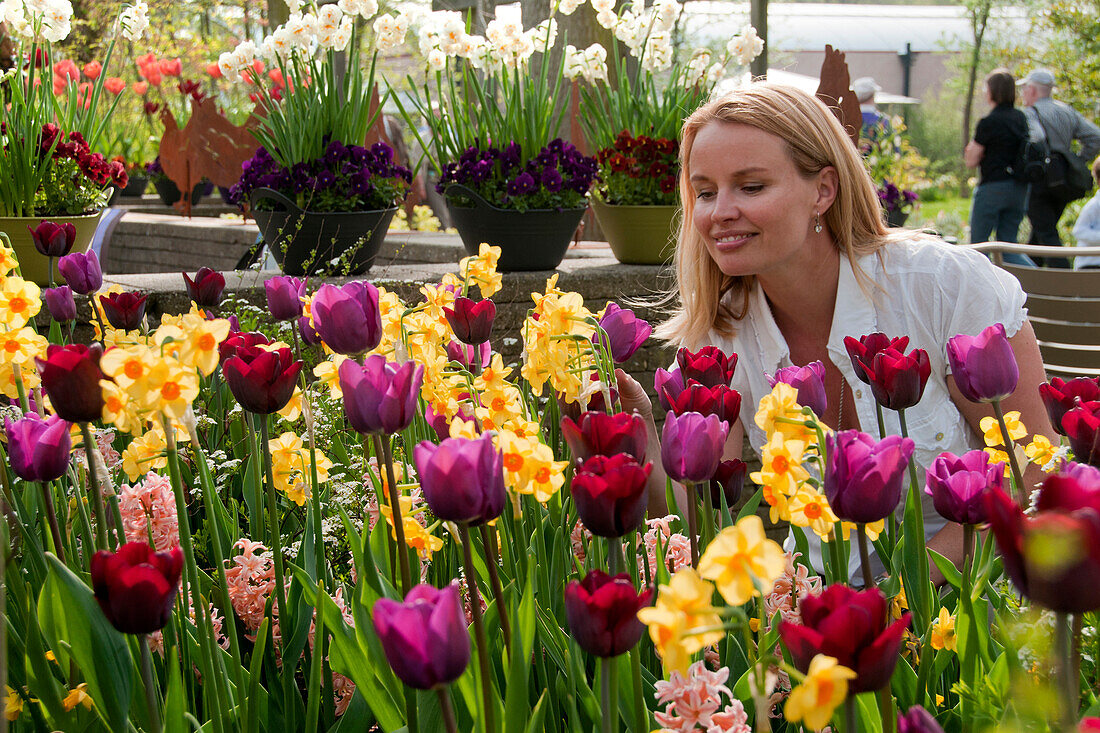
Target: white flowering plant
[(308, 103), (51, 122)]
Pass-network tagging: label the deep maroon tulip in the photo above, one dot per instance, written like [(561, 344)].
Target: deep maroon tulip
[(984, 366), (728, 479), (809, 381), (425, 638), (606, 435), (725, 402), (897, 379), (957, 485), (53, 240), (1082, 426), (610, 494), (602, 613), (348, 318), (851, 626), (464, 354), (206, 289), (691, 446), (262, 381), (81, 271), (284, 297), (625, 332), (1053, 557), (863, 476), (462, 478), (70, 375), (60, 303), (918, 720), (668, 386), (380, 396), (709, 366), (136, 587), (228, 347), (124, 310), (309, 334), (441, 424), (863, 349), (38, 449), (471, 321), (1061, 396)]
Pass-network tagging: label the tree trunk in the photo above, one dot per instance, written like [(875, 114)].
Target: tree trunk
[(759, 18), (979, 18)]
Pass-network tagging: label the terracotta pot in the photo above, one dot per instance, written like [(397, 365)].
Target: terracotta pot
[(638, 235), (32, 264)]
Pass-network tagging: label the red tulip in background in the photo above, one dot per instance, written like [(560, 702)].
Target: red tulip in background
[(958, 484), (862, 350), (809, 381), (897, 379), (53, 240), (602, 613), (124, 311), (462, 479), (425, 637), (206, 289), (471, 321), (610, 493), (863, 476), (603, 434), (1053, 557), (1082, 427), (262, 381), (984, 366), (228, 348), (1060, 396), (709, 366), (70, 375), (136, 587), (851, 626), (725, 402)]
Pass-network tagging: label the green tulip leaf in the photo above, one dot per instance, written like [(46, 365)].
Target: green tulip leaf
[(950, 573)]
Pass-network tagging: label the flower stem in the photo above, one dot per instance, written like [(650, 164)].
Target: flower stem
[(382, 448), (51, 517), (850, 724), (707, 529), (479, 630), (1010, 447), (1067, 683), (488, 538), (881, 421), (641, 716), (93, 484), (864, 556), (444, 696), (151, 701), (273, 524), (607, 694), (693, 522)]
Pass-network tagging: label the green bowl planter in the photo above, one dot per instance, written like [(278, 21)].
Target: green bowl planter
[(638, 235), (36, 266), (530, 240)]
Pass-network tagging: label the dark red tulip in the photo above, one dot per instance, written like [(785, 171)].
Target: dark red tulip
[(725, 402), (692, 445), (206, 289), (471, 321), (809, 381), (625, 332), (136, 587), (228, 347), (864, 476), (60, 303), (425, 638), (284, 297), (262, 381), (709, 366), (81, 271), (864, 349), (897, 380), (606, 435), (958, 484), (1060, 396), (729, 479), (851, 626), (462, 478), (70, 375), (38, 450), (983, 366), (380, 396), (1082, 427), (1053, 557), (610, 493), (124, 310), (53, 240), (602, 613)]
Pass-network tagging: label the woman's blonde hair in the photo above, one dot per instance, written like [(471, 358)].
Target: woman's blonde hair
[(710, 300)]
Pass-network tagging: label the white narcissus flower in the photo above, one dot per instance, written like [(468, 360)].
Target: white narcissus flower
[(545, 34), (607, 18), (362, 8), (746, 46), (665, 14), (437, 60), (328, 19), (715, 73), (603, 5), (452, 35), (134, 21), (567, 7), (573, 62), (343, 35)]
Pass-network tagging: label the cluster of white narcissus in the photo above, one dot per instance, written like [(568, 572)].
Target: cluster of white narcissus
[(442, 35), (49, 19)]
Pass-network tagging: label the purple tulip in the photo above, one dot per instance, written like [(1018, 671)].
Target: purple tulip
[(308, 332), (462, 478), (464, 354), (918, 720), (81, 271), (60, 303), (809, 380), (380, 396), (471, 321), (668, 386), (425, 638), (625, 332), (957, 485), (284, 297), (691, 446), (348, 318), (863, 477), (206, 289), (984, 366), (38, 449), (53, 240)]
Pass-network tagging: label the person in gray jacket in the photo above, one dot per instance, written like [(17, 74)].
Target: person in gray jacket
[(1060, 124)]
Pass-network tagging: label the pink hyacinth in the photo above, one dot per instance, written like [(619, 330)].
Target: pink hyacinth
[(794, 584), (148, 509), (676, 546), (694, 702), (250, 578), (578, 539), (104, 438)]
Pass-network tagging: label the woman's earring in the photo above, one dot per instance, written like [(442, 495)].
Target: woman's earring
[(817, 223)]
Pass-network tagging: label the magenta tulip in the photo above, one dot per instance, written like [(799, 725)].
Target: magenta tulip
[(206, 289), (918, 720), (81, 271), (863, 476), (725, 402), (462, 479), (625, 332), (348, 318), (53, 240), (262, 381), (603, 434), (1060, 396), (984, 366), (425, 638), (862, 350), (309, 334), (70, 375), (602, 613), (897, 379), (692, 445), (380, 396), (668, 386), (136, 587), (471, 321), (958, 484), (38, 450), (610, 494), (809, 381), (465, 354), (284, 297)]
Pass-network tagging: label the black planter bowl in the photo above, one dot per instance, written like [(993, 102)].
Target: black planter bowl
[(169, 192)]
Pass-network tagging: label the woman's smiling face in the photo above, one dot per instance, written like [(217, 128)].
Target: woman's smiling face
[(753, 208)]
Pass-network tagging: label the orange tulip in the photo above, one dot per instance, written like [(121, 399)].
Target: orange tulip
[(93, 69), (114, 84)]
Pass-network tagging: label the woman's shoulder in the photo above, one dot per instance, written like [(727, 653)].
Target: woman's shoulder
[(918, 253)]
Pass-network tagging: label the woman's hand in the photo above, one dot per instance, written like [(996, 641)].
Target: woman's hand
[(632, 396), (972, 154)]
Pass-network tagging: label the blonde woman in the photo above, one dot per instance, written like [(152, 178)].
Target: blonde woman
[(783, 252)]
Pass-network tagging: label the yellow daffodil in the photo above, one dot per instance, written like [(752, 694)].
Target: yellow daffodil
[(943, 632), (8, 260), (13, 704), (493, 376), (999, 456), (20, 301), (675, 623), (991, 429), (782, 402), (1041, 452), (170, 388), (874, 529), (128, 366), (810, 508), (781, 464), (21, 345), (327, 373), (119, 409), (147, 452), (820, 694), (778, 501), (740, 557), (200, 343), (436, 298), (78, 696), (481, 269), (292, 410)]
